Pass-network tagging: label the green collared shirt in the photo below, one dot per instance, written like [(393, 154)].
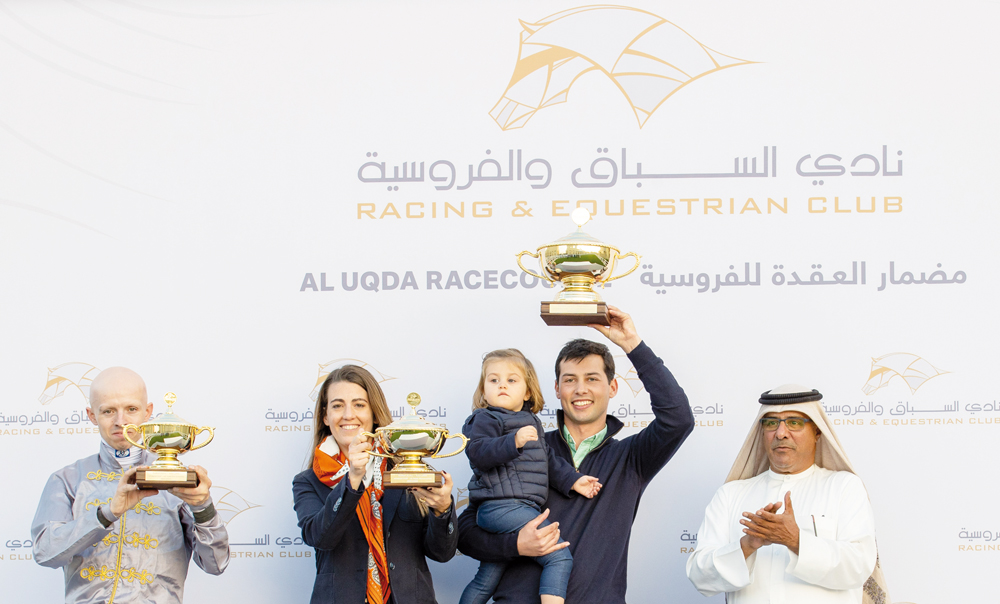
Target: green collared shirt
[(589, 444)]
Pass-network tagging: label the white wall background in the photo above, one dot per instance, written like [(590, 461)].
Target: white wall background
[(171, 171)]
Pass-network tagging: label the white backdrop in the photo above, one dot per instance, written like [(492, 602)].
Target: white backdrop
[(189, 189)]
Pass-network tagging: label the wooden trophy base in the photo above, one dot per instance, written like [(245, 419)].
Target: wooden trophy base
[(405, 480), (148, 478), (575, 313)]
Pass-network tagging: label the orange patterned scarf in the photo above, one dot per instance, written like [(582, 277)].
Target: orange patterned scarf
[(330, 471)]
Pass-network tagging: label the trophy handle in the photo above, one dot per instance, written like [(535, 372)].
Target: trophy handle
[(465, 441), (373, 452), (622, 257), (125, 434), (535, 275), (211, 435)]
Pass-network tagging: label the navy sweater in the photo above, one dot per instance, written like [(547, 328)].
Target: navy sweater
[(598, 529)]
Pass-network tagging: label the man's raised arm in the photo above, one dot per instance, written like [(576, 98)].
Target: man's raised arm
[(674, 421)]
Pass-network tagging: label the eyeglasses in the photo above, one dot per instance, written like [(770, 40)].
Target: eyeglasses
[(794, 424)]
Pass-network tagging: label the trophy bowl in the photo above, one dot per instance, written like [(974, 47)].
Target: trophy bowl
[(408, 440), (168, 436), (577, 261), (578, 265)]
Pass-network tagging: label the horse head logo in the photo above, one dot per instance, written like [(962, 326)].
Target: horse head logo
[(914, 370), (647, 57), (326, 368), (229, 504), (630, 377), (61, 377)]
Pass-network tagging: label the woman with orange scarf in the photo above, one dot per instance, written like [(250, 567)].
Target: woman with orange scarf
[(370, 543)]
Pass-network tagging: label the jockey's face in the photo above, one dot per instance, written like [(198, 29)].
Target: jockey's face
[(118, 398)]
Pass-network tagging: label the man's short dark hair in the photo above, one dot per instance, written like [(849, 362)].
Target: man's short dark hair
[(579, 349)]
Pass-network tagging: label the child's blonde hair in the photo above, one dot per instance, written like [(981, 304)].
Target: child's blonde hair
[(514, 356)]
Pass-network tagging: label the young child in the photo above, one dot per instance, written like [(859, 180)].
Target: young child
[(512, 468)]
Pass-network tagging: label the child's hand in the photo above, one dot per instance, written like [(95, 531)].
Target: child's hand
[(524, 435), (587, 486)]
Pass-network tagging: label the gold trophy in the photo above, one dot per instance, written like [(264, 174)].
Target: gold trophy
[(578, 261), (412, 438), (168, 436)]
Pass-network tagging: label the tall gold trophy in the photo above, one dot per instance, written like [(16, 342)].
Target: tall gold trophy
[(412, 438), (577, 261), (168, 436)]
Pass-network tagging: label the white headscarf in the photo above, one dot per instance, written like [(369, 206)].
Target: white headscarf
[(752, 459)]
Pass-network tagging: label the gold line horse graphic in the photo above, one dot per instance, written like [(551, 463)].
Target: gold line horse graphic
[(326, 368), (63, 376), (914, 370), (647, 57)]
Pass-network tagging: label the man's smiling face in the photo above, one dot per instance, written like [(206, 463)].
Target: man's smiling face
[(584, 390)]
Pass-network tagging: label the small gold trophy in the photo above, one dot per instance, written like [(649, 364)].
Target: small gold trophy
[(168, 436), (578, 261), (412, 438)]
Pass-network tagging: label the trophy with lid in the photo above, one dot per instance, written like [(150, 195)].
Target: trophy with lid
[(408, 440), (577, 261), (168, 436)]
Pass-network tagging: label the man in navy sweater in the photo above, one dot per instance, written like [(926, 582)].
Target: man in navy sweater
[(597, 530)]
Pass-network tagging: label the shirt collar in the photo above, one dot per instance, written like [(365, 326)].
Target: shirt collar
[(579, 453), (772, 475), (591, 441), (108, 458)]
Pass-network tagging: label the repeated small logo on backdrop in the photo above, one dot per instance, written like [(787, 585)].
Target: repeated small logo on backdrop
[(70, 380), (229, 504), (298, 420), (62, 377), (689, 541), (645, 56), (633, 415), (629, 377), (326, 368), (912, 369), (916, 411), (16, 550), (978, 540)]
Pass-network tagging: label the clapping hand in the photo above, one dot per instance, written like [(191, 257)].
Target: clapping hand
[(767, 527)]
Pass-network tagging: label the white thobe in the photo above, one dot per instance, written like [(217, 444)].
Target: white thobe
[(836, 541)]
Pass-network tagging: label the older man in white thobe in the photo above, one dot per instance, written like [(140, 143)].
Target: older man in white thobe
[(793, 523)]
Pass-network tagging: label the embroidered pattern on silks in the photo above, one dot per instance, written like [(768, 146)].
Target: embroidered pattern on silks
[(97, 503), (101, 475), (149, 507), (145, 541), (129, 574), (91, 572), (132, 574)]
